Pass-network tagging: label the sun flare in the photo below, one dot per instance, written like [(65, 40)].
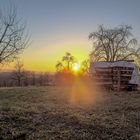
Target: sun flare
[(76, 66)]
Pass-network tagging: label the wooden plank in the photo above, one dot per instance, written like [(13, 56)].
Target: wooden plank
[(104, 74), (104, 83), (118, 82), (123, 70), (103, 78)]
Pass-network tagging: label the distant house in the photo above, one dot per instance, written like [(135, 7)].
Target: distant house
[(118, 75)]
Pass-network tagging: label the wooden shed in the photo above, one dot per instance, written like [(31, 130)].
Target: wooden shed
[(118, 75)]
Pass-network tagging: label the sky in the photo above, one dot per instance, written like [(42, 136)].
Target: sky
[(59, 26)]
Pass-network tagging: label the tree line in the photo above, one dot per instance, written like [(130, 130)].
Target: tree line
[(21, 77)]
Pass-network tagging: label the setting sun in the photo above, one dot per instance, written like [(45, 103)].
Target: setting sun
[(76, 66)]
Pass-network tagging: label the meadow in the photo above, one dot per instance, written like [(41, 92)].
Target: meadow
[(68, 113)]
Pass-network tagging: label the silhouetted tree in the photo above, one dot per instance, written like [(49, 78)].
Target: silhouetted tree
[(26, 78), (64, 69), (13, 39), (66, 63), (18, 74), (68, 59), (114, 44), (85, 65), (59, 66), (41, 79), (33, 78)]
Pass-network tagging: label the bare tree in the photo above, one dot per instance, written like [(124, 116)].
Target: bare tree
[(41, 79), (114, 44), (59, 66), (33, 78), (85, 66), (18, 74), (13, 38), (25, 77), (66, 63), (68, 59)]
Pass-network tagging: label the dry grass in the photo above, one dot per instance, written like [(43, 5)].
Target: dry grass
[(48, 113)]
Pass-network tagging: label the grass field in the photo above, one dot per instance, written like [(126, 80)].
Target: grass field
[(57, 113)]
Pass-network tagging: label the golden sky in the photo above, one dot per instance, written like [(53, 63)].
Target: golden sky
[(44, 58)]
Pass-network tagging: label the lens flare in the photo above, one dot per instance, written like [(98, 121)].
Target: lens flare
[(76, 66), (84, 93)]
